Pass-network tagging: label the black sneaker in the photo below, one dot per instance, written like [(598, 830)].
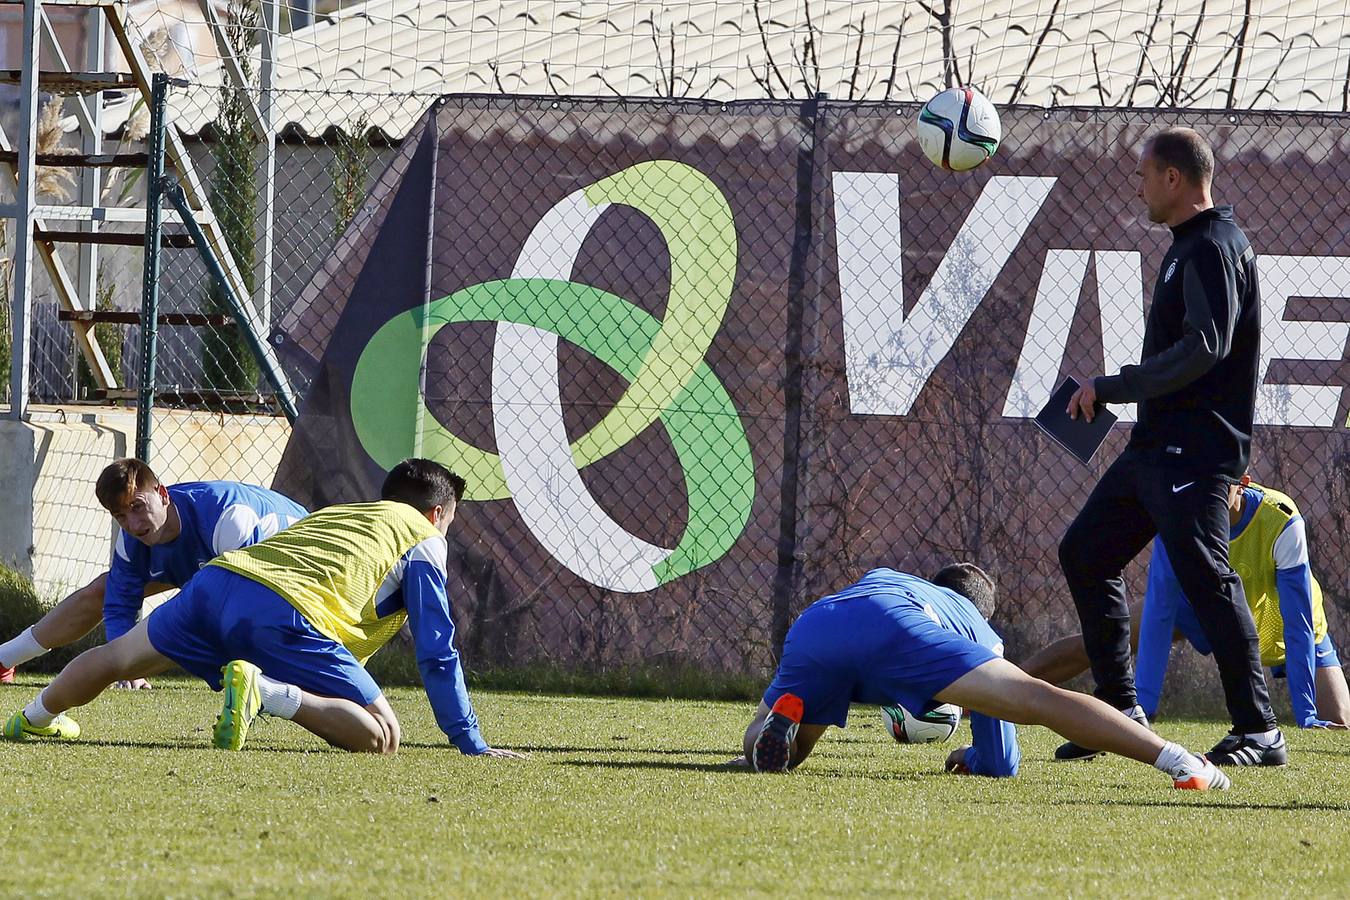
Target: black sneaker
[(1238, 750), (773, 747), (1071, 752)]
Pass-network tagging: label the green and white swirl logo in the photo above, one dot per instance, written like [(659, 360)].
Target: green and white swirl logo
[(662, 361)]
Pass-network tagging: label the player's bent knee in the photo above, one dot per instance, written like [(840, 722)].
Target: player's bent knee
[(387, 721)]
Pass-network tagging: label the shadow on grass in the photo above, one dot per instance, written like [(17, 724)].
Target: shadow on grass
[(654, 764), (204, 747), (888, 777), (557, 748), (1219, 803)]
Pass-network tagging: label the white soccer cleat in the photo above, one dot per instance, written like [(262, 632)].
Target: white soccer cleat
[(1205, 777)]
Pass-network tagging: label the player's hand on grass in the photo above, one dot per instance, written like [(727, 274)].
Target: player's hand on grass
[(739, 762), (1084, 400), (956, 761), (135, 684), (1322, 723), (498, 753)]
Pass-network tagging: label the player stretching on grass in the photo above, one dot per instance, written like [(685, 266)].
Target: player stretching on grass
[(166, 534), (1268, 547), (289, 621), (893, 637)]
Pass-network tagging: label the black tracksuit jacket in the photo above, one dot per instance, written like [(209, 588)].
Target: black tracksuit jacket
[(1196, 381)]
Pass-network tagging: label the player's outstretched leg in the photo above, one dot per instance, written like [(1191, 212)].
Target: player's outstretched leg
[(772, 751), (87, 676), (66, 622), (1000, 689)]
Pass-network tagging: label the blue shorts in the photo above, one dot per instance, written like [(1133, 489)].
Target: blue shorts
[(221, 616), (866, 650), (1189, 625), (1324, 657)]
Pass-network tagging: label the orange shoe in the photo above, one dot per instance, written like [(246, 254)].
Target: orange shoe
[(6, 676), (773, 747)]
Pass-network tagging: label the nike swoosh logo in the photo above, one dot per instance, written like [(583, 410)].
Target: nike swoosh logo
[(1323, 654), (154, 574), (1178, 488)]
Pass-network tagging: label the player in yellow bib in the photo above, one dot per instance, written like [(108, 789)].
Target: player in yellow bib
[(1268, 548), (284, 626)]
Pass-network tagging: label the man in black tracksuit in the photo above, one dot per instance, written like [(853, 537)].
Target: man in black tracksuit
[(1195, 386)]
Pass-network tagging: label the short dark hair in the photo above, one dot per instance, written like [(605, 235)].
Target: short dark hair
[(120, 480), (971, 582), (1186, 151), (422, 484)]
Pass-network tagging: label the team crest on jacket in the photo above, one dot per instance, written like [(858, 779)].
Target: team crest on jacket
[(1170, 269)]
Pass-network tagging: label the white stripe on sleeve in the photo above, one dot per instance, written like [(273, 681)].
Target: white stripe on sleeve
[(1291, 547), (235, 528)]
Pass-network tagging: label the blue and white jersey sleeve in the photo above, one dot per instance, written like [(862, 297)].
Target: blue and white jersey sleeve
[(232, 515), (433, 630), (1162, 598), (241, 525), (125, 589), (1293, 582), (994, 751)]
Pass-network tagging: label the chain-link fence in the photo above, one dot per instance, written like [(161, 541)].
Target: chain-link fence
[(703, 362)]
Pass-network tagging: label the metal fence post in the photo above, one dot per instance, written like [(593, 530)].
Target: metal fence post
[(261, 352), (154, 226), (787, 578), (21, 317)]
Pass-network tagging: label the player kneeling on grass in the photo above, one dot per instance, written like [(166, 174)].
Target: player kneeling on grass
[(894, 637), (284, 626), (166, 533)]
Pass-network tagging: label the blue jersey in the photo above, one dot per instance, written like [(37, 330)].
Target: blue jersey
[(1270, 554), (946, 607), (216, 516), (416, 585), (892, 638)]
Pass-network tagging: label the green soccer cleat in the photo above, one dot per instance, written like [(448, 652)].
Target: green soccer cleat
[(63, 728), (243, 702)]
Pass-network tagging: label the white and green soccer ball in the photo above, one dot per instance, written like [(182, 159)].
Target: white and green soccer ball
[(959, 129), (937, 723)]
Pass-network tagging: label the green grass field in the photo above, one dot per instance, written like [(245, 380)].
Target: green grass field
[(629, 797)]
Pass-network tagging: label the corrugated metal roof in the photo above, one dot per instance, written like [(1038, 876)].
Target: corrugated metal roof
[(1291, 56)]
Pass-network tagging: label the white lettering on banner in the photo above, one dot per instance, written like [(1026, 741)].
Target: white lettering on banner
[(1043, 350), (889, 356), (532, 439), (1120, 296), (1283, 277)]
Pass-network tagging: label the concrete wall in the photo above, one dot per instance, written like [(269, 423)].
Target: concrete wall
[(52, 528)]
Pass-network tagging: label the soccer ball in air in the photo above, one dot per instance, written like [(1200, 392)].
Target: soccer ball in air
[(935, 724), (959, 129)]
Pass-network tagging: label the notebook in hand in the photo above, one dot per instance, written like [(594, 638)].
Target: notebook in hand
[(1079, 436)]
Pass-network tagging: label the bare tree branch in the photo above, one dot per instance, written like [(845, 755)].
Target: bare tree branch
[(895, 59), (1240, 44), (771, 66), (857, 60), (1020, 85), (1143, 53)]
